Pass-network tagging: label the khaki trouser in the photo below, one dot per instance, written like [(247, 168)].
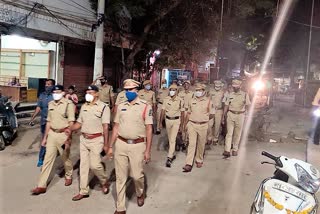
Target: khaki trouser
[(210, 129), (184, 133), (159, 110), (54, 143), (128, 156), (172, 127), (234, 129), (215, 126), (90, 158), (197, 140)]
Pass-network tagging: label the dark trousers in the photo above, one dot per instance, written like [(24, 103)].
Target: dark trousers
[(316, 136)]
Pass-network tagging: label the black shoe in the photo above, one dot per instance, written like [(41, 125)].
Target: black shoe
[(169, 162)]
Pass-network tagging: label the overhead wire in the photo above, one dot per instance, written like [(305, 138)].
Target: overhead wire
[(80, 8), (83, 7)]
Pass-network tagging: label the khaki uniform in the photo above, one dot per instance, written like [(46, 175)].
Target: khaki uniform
[(148, 96), (121, 98), (132, 120), (162, 93), (215, 123), (186, 96), (199, 110), (59, 116), (237, 102), (91, 118), (173, 108), (106, 93)]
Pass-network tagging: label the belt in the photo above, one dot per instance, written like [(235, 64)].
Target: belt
[(135, 141), (237, 112), (160, 103), (59, 130), (91, 136), (199, 123), (172, 118)]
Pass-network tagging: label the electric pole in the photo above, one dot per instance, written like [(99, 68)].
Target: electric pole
[(98, 55)]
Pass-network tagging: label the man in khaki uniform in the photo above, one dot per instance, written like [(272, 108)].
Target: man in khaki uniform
[(132, 138), (199, 112), (162, 93), (186, 95), (235, 108), (61, 115), (216, 94), (148, 95), (106, 94), (94, 119), (173, 111)]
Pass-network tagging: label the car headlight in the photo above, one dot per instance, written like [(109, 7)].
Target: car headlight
[(305, 181)]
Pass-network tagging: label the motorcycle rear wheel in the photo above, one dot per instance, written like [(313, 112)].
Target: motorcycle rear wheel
[(2, 143)]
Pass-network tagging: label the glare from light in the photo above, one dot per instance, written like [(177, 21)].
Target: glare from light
[(258, 64), (316, 113), (258, 85), (157, 52)]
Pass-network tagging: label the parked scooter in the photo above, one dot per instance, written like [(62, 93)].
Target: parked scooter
[(290, 191), (8, 123)]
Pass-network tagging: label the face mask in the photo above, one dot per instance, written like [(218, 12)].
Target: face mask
[(148, 87), (57, 97), (217, 88), (236, 89), (131, 95), (198, 93), (172, 93), (49, 89), (89, 98), (103, 82), (164, 86)]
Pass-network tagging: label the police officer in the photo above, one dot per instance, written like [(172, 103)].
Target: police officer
[(61, 115), (216, 94), (106, 94), (199, 112), (132, 138), (162, 93), (173, 111), (121, 97), (234, 110), (42, 108), (186, 95), (147, 94), (94, 119)]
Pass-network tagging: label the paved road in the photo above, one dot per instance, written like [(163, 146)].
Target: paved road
[(221, 186)]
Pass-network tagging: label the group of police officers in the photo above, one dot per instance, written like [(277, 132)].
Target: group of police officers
[(196, 112)]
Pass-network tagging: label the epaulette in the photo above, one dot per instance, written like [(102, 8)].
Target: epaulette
[(143, 101)]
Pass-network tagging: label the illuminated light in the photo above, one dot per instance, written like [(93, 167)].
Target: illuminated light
[(157, 52), (317, 112), (258, 85)]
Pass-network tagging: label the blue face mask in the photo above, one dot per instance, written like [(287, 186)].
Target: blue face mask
[(131, 95), (148, 87)]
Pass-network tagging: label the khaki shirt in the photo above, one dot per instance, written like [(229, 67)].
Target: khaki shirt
[(200, 109), (186, 97), (238, 101), (132, 119), (173, 106), (148, 96), (216, 98), (316, 100), (121, 97), (93, 116), (106, 93), (61, 113), (162, 93)]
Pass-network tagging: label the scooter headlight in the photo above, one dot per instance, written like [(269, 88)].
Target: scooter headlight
[(305, 180)]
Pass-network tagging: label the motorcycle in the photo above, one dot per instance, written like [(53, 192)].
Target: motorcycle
[(8, 123), (291, 190)]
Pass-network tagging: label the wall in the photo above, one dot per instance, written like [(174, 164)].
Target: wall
[(67, 18)]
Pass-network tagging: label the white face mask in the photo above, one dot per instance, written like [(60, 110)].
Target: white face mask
[(57, 96), (164, 85), (198, 93), (148, 87), (89, 98), (172, 93)]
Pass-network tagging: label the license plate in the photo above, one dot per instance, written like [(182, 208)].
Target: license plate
[(290, 190)]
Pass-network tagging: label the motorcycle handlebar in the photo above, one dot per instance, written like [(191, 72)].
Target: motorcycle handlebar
[(276, 159)]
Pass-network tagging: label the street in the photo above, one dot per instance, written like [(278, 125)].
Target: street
[(221, 186)]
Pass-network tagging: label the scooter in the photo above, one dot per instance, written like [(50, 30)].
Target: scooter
[(8, 124), (291, 190)]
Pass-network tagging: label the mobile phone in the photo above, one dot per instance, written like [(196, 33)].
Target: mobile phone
[(103, 153)]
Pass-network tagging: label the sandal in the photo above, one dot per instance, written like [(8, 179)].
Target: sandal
[(199, 165), (187, 168)]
